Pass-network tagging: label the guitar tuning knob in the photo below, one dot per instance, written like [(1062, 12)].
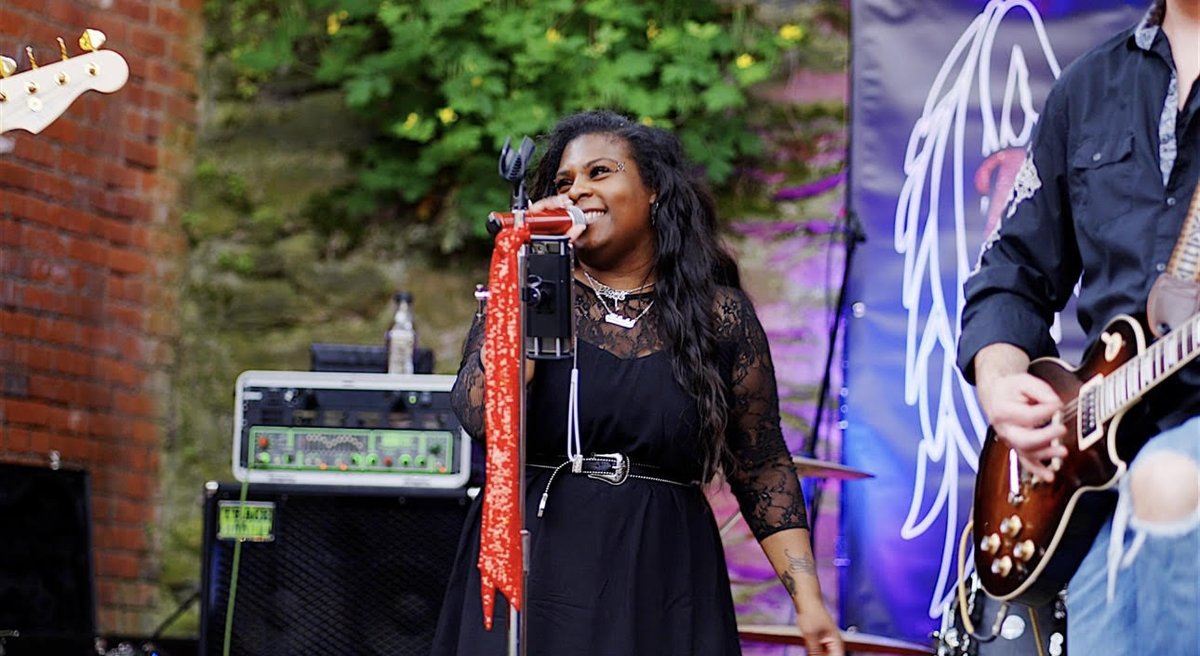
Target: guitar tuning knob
[(8, 66), (92, 40)]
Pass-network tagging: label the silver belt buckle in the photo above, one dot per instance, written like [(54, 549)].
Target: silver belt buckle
[(619, 472)]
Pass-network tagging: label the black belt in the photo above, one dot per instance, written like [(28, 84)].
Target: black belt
[(612, 468)]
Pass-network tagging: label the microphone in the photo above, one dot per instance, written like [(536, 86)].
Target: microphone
[(555, 221)]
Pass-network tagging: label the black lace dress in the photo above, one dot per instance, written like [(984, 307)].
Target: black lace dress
[(638, 568)]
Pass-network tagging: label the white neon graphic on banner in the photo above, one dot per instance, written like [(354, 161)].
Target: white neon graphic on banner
[(931, 381)]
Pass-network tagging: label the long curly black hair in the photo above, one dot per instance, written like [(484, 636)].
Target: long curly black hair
[(690, 261)]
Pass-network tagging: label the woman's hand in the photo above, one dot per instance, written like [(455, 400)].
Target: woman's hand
[(560, 201), (529, 364), (790, 553), (821, 634)]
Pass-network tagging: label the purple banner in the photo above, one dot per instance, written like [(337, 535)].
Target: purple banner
[(944, 98)]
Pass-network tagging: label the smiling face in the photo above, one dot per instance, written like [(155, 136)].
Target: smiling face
[(598, 173)]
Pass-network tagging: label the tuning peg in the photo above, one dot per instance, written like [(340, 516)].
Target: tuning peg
[(8, 66), (32, 59), (92, 40)]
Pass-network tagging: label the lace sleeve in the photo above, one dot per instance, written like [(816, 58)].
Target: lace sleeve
[(760, 468), (466, 397)]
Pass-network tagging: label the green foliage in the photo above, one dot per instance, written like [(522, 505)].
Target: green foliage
[(440, 85)]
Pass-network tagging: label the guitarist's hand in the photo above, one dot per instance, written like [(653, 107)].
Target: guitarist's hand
[(1020, 407)]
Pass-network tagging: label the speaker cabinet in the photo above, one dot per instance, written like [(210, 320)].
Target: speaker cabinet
[(347, 571), (46, 581)]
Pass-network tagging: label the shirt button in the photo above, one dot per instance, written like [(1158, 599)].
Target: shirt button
[(1096, 157), (1170, 201), (1160, 267)]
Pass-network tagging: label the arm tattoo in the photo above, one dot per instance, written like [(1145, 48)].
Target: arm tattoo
[(798, 564), (801, 564), (789, 583)]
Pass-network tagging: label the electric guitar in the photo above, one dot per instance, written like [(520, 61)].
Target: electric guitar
[(1030, 536), (32, 100)]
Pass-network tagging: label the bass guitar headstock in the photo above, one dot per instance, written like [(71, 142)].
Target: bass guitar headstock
[(33, 99)]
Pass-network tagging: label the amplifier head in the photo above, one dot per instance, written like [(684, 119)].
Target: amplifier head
[(329, 428)]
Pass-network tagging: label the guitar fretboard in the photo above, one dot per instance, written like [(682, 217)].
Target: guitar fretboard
[(1129, 382)]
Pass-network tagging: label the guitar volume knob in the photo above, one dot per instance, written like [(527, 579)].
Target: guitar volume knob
[(1024, 550), (990, 544), (1002, 566), (1010, 526)]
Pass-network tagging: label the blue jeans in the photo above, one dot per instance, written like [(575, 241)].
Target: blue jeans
[(1138, 590)]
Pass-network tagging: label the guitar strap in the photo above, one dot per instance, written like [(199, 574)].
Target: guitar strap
[(1175, 296)]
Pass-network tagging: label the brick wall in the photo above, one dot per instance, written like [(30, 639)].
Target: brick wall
[(90, 257)]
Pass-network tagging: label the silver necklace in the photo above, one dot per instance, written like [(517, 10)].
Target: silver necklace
[(612, 316), (616, 295)]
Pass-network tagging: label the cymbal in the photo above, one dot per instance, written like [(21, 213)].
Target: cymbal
[(813, 468), (859, 643)]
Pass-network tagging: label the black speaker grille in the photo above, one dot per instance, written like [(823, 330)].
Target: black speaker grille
[(350, 574)]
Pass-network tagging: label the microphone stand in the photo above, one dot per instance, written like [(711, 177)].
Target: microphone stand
[(853, 235), (512, 169), (545, 285)]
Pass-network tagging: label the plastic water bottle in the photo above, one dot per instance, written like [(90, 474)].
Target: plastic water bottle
[(402, 337)]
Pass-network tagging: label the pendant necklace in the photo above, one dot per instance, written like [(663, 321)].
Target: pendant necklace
[(617, 296)]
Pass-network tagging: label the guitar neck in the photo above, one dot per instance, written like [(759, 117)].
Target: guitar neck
[(1126, 385)]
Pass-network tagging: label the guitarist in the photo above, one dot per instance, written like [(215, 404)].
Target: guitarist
[(1101, 199)]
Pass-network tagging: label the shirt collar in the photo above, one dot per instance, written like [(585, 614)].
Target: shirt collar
[(1147, 29)]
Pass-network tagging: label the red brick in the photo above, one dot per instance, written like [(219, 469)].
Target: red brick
[(19, 439), (114, 564), (140, 154), (31, 208), (57, 331), (13, 175), (136, 9), (43, 153), (89, 251), (74, 362), (134, 319), (148, 41), (65, 14), (133, 404), (36, 413), (20, 325), (129, 511), (126, 261), (134, 486)]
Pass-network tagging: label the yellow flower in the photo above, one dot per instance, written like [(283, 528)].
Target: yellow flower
[(652, 30), (411, 121), (646, 121), (476, 82), (447, 115), (553, 36), (744, 61), (791, 32), (333, 23)]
